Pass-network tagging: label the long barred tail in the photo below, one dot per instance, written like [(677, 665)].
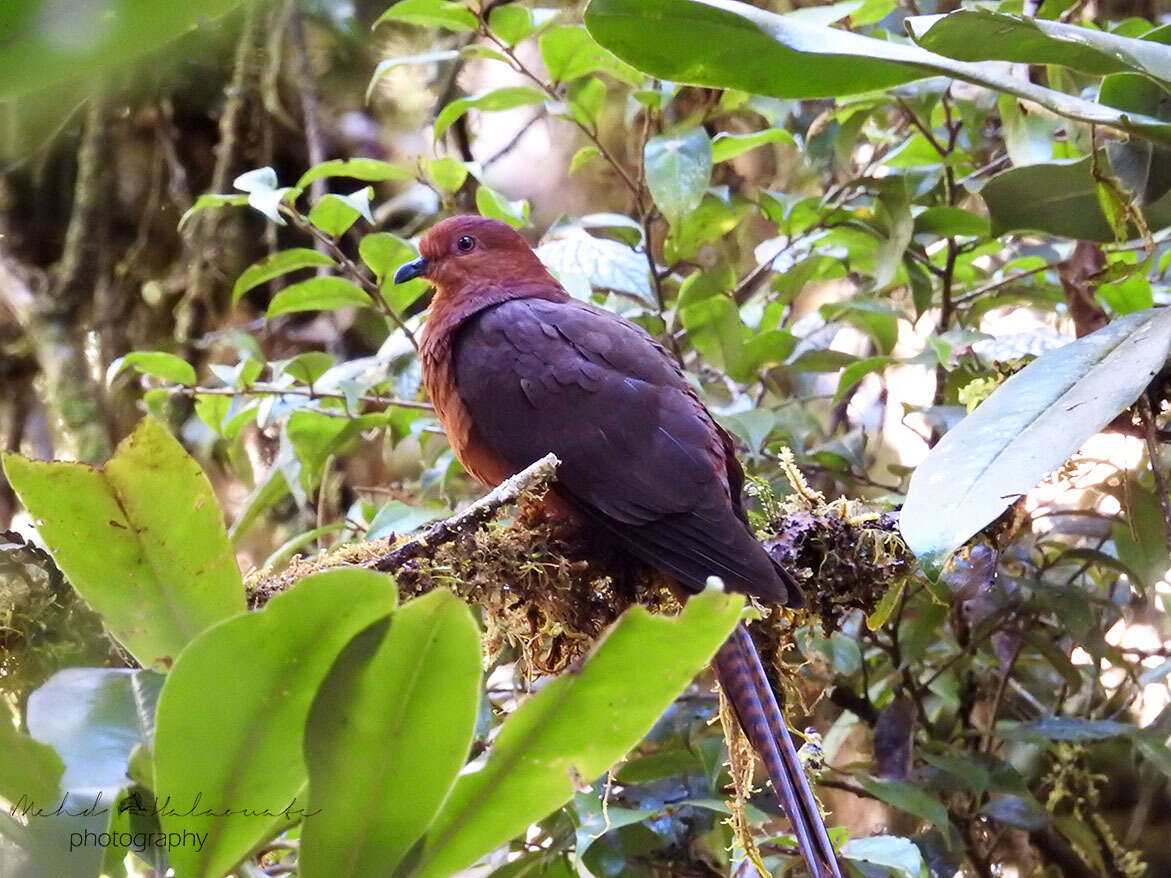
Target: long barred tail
[(744, 681)]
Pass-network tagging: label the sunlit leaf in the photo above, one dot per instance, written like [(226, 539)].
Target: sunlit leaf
[(1029, 426), (165, 571), (578, 725), (387, 735), (249, 750), (279, 263)]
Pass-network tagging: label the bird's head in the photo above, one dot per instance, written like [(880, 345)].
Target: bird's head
[(463, 252)]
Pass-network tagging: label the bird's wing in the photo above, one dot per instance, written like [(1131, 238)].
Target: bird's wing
[(640, 454)]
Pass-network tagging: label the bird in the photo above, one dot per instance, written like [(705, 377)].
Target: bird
[(517, 368)]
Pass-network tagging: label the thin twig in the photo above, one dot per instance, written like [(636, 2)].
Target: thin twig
[(535, 475), (355, 271), (267, 390)]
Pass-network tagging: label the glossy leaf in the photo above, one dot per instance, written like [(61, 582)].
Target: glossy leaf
[(387, 735), (570, 52), (494, 205), (727, 146), (367, 170), (431, 13), (165, 571), (724, 44), (1060, 198), (158, 363), (279, 263), (1029, 426), (579, 724), (678, 169), (983, 35), (261, 672), (489, 102), (318, 294)]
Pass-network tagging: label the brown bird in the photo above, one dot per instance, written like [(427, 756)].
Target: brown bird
[(517, 368)]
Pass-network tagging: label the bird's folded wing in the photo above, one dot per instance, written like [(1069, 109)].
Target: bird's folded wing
[(640, 455)]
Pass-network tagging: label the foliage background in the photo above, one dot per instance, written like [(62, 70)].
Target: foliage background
[(844, 272)]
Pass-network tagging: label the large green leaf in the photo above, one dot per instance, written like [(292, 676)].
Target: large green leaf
[(1059, 198), (141, 539), (47, 43), (387, 735), (577, 726), (1028, 427), (982, 35), (726, 44), (232, 714)]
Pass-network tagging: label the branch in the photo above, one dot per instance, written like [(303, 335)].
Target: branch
[(535, 475), (262, 390)]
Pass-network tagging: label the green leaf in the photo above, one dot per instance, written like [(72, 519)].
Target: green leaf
[(582, 156), (511, 22), (1029, 426), (855, 372), (276, 265), (678, 168), (208, 201), (387, 735), (1141, 539), (44, 47), (946, 221), (368, 170), (489, 102), (334, 213), (29, 769), (318, 294), (157, 363), (1142, 167), (243, 692), (383, 253), (569, 52), (305, 367), (734, 45), (165, 571), (492, 204), (447, 173), (901, 855), (431, 13), (981, 35), (727, 146), (1060, 198), (909, 798), (578, 725)]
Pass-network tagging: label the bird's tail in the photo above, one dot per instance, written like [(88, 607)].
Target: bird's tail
[(743, 679)]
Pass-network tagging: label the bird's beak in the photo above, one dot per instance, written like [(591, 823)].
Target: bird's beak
[(411, 270)]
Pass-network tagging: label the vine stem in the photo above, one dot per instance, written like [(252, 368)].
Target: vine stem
[(255, 390), (355, 271)]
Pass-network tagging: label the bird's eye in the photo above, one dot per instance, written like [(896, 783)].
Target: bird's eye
[(465, 243)]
